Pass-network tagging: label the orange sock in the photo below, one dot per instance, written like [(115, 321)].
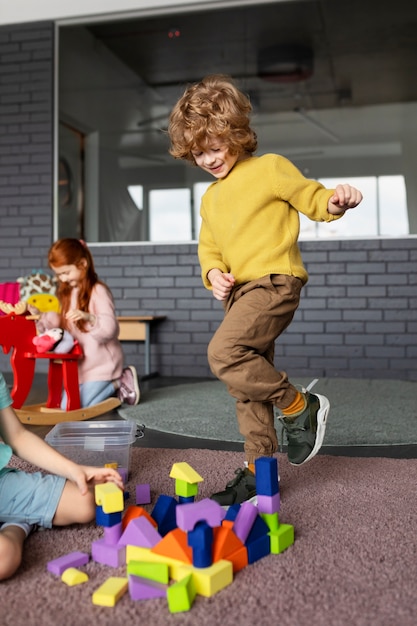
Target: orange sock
[(297, 406)]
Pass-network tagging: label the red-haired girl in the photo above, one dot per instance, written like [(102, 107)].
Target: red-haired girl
[(88, 314)]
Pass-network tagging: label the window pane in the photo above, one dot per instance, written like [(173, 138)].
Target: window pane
[(393, 206), (136, 193), (170, 215), (199, 190)]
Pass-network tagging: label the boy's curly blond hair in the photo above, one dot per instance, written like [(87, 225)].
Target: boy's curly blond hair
[(211, 109)]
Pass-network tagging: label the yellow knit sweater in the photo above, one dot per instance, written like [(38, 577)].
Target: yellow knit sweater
[(250, 222)]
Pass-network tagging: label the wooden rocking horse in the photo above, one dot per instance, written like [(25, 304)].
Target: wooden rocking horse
[(17, 331)]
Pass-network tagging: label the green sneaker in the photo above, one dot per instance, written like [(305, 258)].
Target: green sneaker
[(238, 490), (305, 433)]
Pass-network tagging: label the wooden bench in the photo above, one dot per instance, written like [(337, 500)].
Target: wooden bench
[(138, 328)]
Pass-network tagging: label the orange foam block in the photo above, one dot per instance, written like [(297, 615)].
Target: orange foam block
[(175, 546), (133, 512)]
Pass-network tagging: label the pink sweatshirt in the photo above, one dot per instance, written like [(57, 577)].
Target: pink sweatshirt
[(103, 354)]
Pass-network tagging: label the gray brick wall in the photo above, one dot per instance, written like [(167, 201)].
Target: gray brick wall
[(357, 315), (26, 145), (356, 318)]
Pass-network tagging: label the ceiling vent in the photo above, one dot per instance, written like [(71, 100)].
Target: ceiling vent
[(285, 63)]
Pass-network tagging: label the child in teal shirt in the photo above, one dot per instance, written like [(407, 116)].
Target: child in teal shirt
[(60, 497)]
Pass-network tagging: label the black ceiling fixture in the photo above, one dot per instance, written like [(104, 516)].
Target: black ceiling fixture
[(286, 63)]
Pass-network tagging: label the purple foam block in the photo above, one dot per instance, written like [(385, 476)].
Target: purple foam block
[(269, 504), (112, 534), (145, 589), (140, 532), (104, 553), (73, 559), (244, 521), (143, 494), (203, 511)]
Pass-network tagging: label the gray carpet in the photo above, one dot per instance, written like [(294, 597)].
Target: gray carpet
[(353, 562), (363, 412)]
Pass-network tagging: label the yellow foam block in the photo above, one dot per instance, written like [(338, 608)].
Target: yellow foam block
[(72, 576), (109, 497), (208, 580), (183, 471), (110, 591)]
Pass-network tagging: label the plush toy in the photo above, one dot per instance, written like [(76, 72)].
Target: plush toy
[(54, 340)]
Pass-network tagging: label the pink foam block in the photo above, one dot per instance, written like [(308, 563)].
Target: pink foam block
[(244, 521), (203, 511), (73, 559), (140, 532), (141, 589), (105, 553)]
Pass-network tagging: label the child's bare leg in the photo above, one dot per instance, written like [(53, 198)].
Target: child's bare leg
[(12, 539), (74, 508)]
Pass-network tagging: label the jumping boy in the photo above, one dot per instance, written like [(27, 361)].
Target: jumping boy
[(250, 259)]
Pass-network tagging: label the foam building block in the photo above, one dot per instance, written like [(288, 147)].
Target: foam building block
[(110, 497), (209, 580), (73, 576), (266, 476), (184, 471), (124, 473), (271, 520), (132, 512), (107, 554), (201, 540), (136, 553), (113, 533), (158, 572), (258, 543), (107, 519), (175, 545), (143, 494), (110, 591), (184, 489), (244, 521), (140, 532), (164, 514), (205, 510), (142, 589), (73, 559), (269, 504), (181, 595), (225, 543), (281, 539)]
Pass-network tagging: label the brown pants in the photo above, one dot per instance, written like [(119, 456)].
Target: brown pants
[(241, 354)]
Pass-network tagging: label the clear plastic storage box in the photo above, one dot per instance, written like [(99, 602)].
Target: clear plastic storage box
[(95, 443)]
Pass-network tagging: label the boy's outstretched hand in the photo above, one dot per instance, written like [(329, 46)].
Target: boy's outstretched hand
[(85, 476), (345, 197)]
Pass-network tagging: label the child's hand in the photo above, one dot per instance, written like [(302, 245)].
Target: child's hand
[(85, 476), (222, 284), (75, 315), (345, 197)]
